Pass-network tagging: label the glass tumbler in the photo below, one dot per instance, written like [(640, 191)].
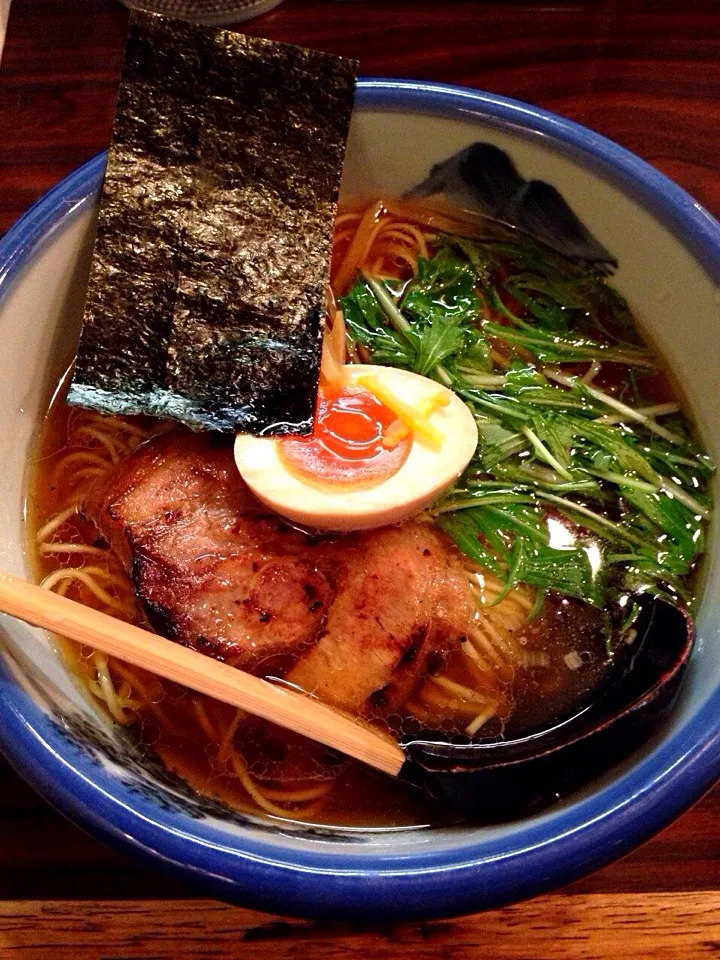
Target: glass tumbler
[(214, 12)]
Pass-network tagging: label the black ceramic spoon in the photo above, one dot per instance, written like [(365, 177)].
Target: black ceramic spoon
[(505, 778)]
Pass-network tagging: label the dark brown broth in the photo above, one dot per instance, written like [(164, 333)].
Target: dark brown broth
[(359, 797)]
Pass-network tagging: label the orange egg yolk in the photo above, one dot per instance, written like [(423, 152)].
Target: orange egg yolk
[(355, 440)]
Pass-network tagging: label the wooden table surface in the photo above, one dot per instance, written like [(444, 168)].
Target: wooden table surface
[(645, 74)]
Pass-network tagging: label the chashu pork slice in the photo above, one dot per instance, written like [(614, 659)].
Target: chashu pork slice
[(364, 617), (401, 605), (210, 567)]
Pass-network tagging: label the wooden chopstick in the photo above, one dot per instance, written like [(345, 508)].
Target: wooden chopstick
[(294, 711)]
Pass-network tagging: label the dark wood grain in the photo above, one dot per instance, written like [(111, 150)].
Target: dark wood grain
[(665, 927), (646, 74)]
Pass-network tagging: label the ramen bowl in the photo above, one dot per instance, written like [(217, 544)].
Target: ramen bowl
[(668, 251)]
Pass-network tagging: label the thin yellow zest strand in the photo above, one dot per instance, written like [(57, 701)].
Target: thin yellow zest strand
[(406, 413)]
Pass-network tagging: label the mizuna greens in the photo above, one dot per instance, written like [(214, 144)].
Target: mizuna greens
[(592, 492)]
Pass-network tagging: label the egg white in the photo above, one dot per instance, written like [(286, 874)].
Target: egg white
[(426, 473)]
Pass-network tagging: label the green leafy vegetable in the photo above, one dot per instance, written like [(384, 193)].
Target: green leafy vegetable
[(438, 341), (554, 497), (366, 325)]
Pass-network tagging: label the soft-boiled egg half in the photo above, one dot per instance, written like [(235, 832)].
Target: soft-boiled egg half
[(385, 444)]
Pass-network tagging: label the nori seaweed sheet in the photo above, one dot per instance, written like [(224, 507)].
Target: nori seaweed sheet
[(206, 297)]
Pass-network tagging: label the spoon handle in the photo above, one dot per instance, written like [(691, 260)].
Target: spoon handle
[(293, 710)]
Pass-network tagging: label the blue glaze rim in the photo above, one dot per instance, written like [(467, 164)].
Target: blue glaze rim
[(303, 877)]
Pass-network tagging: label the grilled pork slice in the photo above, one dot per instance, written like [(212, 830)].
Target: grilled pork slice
[(364, 617), (209, 568), (402, 602)]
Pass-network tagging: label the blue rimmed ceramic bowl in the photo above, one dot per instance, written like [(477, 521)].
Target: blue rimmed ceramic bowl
[(668, 249)]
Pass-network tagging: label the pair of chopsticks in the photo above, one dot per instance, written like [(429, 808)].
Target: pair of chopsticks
[(287, 708)]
